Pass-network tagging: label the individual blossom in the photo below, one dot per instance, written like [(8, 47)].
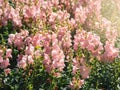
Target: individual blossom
[(37, 39), (11, 38), (75, 66), (9, 53), (18, 41), (5, 63), (22, 61), (67, 42), (30, 59), (1, 59), (29, 49), (7, 71)]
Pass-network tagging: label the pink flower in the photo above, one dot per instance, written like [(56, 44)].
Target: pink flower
[(37, 53), (37, 39), (55, 2), (7, 71), (11, 38), (67, 40), (52, 17), (1, 59), (29, 50), (84, 71), (8, 53), (110, 52), (47, 63), (28, 40), (22, 64), (75, 66), (80, 14), (30, 59), (30, 11), (22, 59), (5, 63)]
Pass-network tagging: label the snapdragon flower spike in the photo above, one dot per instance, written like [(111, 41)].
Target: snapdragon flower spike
[(79, 66), (24, 60), (4, 58), (57, 56), (89, 41), (111, 52), (66, 41)]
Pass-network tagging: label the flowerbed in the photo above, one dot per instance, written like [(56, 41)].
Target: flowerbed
[(57, 45)]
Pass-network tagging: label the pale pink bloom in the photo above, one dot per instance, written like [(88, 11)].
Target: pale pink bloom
[(17, 22), (1, 2), (7, 71), (110, 52), (27, 12), (84, 71), (54, 39), (55, 2), (52, 17), (37, 39), (1, 59), (30, 11), (111, 35), (80, 14), (8, 53), (1, 12), (22, 64), (19, 57), (28, 40), (29, 50), (11, 38), (61, 33), (72, 22), (47, 63), (24, 33), (18, 42), (75, 66), (67, 40), (30, 59), (5, 63), (37, 53), (22, 59), (13, 15)]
